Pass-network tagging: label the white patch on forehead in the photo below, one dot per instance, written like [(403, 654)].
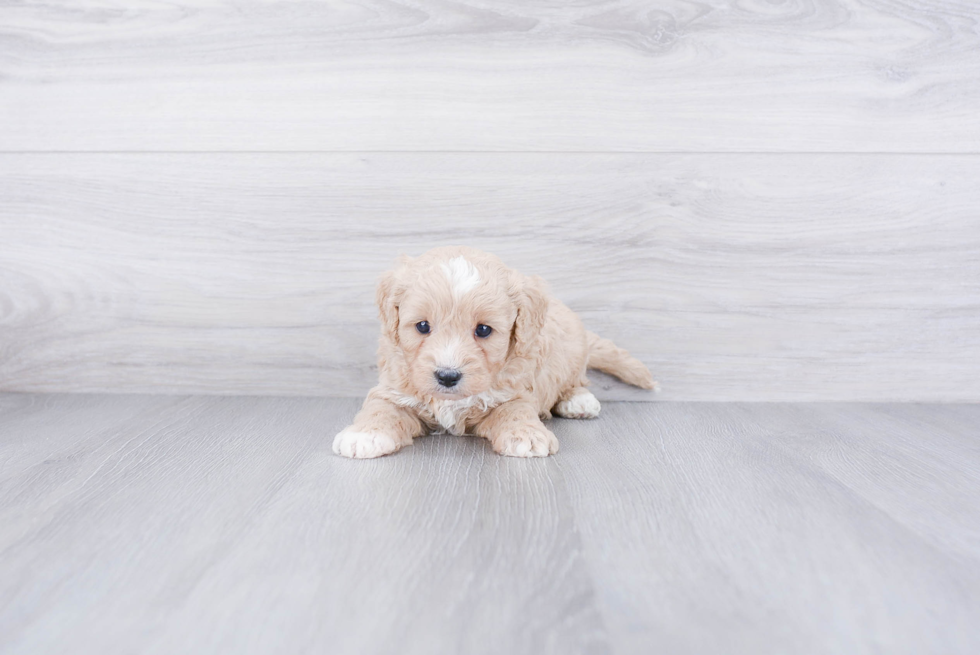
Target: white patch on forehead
[(462, 275)]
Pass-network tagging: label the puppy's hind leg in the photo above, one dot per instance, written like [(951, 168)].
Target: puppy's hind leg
[(577, 402)]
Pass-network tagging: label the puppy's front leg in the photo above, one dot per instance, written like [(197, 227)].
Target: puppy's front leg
[(514, 429), (380, 428)]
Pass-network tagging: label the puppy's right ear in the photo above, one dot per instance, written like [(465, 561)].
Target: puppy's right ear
[(387, 305), (388, 295)]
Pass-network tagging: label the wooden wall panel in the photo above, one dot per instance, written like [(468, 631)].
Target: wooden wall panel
[(734, 277), (491, 75)]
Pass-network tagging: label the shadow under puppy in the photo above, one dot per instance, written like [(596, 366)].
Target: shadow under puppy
[(469, 345)]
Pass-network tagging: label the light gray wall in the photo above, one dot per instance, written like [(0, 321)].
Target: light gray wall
[(761, 201)]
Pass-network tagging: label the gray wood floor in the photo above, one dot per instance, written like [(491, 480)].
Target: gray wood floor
[(161, 524)]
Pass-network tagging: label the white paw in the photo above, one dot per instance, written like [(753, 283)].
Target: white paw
[(527, 442), (364, 445), (581, 405)]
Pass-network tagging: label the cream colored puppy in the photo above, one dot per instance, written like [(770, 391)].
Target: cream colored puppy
[(471, 346)]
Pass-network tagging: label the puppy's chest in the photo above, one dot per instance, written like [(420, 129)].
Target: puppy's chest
[(452, 415)]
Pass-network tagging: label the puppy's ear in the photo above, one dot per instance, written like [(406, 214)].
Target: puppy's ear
[(387, 296), (532, 307)]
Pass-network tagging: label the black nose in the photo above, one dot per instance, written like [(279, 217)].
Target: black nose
[(448, 377)]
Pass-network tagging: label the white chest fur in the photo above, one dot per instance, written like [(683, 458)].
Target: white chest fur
[(452, 414)]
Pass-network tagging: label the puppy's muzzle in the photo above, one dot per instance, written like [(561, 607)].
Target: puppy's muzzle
[(448, 377)]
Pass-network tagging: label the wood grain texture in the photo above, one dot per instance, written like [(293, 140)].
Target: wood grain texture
[(838, 528), (228, 526), (830, 525), (720, 75), (225, 525), (734, 277)]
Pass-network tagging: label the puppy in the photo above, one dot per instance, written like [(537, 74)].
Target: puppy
[(471, 346)]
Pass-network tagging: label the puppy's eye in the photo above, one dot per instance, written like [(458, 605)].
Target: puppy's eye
[(483, 331), (422, 327)]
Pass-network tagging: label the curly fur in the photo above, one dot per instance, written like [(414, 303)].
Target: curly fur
[(532, 364)]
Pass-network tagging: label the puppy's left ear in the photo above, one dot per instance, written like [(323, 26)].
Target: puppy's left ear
[(532, 307)]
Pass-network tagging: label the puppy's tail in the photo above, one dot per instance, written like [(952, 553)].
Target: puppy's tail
[(609, 358)]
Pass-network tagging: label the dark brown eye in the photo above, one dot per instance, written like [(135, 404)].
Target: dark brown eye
[(483, 331), (422, 327)]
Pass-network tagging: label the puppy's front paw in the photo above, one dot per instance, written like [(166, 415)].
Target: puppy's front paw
[(582, 405), (363, 445), (527, 441)]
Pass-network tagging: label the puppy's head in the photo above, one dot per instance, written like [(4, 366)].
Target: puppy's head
[(454, 318)]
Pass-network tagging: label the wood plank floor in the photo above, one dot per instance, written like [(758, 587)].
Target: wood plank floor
[(159, 524)]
